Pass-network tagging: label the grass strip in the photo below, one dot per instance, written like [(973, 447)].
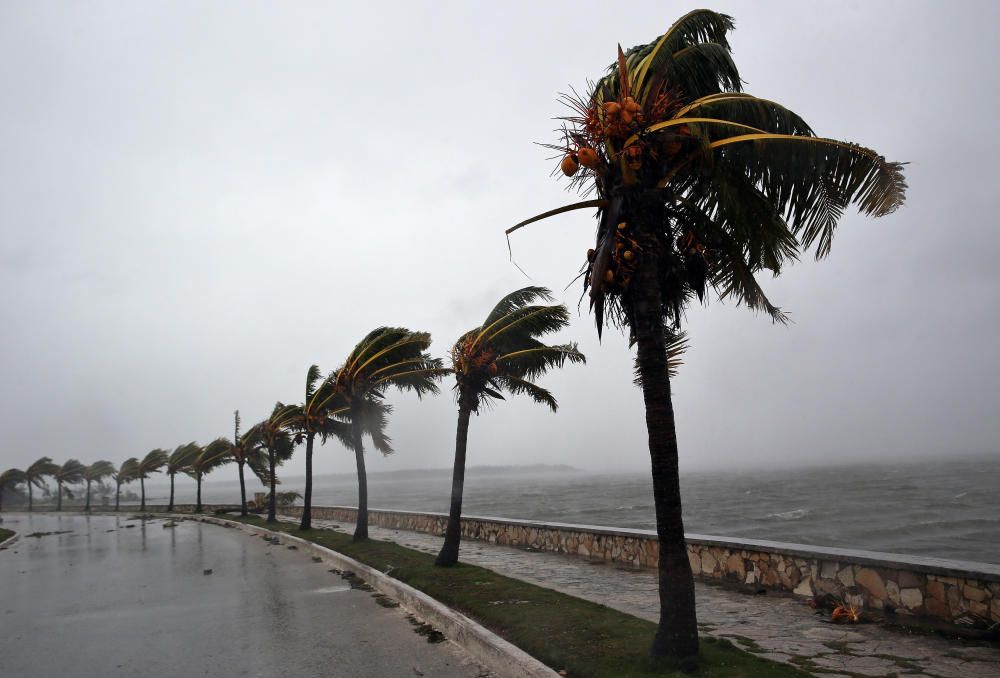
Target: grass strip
[(5, 535), (569, 634)]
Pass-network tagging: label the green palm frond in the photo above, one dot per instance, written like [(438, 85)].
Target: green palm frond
[(71, 472), (151, 463), (811, 180), (210, 457), (11, 478), (516, 386), (180, 459), (506, 346), (127, 472), (99, 470), (37, 472)]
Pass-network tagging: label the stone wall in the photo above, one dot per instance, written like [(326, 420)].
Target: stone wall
[(902, 586)]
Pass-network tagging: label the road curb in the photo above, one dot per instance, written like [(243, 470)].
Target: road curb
[(486, 647), (9, 540)]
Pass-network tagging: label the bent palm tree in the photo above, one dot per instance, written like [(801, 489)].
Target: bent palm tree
[(70, 473), (128, 472), (151, 463), (697, 184), (34, 476), (271, 436), (207, 459), (95, 473), (317, 415), (242, 452), (502, 354), (10, 478), (179, 461), (387, 356)]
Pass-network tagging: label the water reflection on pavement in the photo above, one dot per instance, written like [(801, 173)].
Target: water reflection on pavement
[(116, 596)]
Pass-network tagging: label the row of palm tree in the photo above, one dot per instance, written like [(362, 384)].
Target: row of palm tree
[(696, 185)]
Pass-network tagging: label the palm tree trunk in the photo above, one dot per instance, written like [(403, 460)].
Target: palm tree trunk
[(170, 508), (29, 497), (271, 514), (677, 633), (243, 489), (306, 523), (87, 507), (453, 533), (197, 505), (142, 485), (59, 496), (361, 526), (118, 494)]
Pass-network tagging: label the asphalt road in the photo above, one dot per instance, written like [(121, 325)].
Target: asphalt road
[(118, 597)]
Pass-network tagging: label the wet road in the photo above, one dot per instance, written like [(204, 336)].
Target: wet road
[(114, 597)]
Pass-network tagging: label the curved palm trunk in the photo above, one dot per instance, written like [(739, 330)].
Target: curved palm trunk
[(677, 633), (59, 496), (118, 494), (271, 514), (361, 528), (306, 523), (29, 498), (170, 507), (87, 507), (453, 533), (243, 489), (142, 485), (197, 504)]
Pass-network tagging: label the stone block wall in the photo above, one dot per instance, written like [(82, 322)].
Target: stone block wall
[(892, 584)]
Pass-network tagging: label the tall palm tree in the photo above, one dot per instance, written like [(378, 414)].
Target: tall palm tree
[(95, 473), (70, 473), (207, 459), (271, 436), (10, 478), (317, 415), (151, 463), (179, 461), (34, 476), (697, 184), (501, 354), (386, 357), (128, 472), (244, 451)]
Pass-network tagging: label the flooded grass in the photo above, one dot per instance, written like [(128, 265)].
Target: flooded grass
[(569, 634)]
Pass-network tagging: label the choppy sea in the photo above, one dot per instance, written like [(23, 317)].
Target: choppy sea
[(947, 509)]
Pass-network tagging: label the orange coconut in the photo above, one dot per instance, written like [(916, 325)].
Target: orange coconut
[(588, 157), (569, 165)]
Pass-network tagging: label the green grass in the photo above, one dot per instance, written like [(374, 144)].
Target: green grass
[(5, 534), (566, 633)]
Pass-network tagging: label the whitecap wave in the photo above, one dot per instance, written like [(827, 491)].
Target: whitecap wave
[(795, 514)]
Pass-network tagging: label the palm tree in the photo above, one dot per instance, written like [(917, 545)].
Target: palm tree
[(128, 472), (151, 463), (387, 356), (10, 478), (69, 473), (206, 460), (34, 475), (271, 436), (317, 415), (179, 461), (95, 473), (697, 184), (245, 451), (502, 354)]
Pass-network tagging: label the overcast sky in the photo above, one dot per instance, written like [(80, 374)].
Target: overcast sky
[(200, 199)]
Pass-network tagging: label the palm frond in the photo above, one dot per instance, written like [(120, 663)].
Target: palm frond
[(586, 204), (98, 470), (811, 179), (516, 386), (152, 462), (515, 300), (531, 363)]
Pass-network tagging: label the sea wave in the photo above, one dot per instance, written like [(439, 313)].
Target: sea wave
[(795, 514)]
